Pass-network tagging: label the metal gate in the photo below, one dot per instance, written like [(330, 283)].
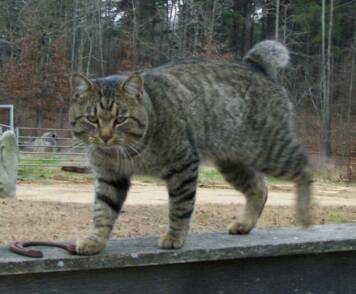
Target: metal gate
[(10, 118), (49, 147)]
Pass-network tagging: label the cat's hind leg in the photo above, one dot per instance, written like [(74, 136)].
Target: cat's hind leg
[(253, 186), (286, 159)]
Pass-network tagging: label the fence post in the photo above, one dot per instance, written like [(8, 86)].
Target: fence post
[(17, 137)]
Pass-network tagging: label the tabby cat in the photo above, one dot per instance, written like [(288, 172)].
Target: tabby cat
[(165, 121)]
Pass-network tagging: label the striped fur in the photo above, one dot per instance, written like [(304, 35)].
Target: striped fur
[(165, 121)]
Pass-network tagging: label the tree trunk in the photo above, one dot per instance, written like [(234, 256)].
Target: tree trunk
[(90, 39), (212, 26), (236, 31), (349, 139), (285, 16), (325, 123), (276, 28), (74, 37), (39, 112), (134, 35), (100, 38)]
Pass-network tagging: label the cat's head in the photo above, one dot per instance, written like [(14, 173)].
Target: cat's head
[(108, 112)]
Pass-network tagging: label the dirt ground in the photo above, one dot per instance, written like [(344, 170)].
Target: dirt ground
[(325, 194), (62, 210)]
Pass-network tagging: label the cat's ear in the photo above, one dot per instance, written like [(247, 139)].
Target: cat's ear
[(133, 85), (79, 83)]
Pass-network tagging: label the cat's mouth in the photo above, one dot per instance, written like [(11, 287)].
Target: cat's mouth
[(108, 145), (105, 143), (126, 149)]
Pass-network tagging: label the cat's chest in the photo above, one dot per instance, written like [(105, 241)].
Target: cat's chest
[(114, 162)]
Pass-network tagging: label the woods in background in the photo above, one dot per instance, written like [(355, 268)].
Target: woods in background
[(43, 41)]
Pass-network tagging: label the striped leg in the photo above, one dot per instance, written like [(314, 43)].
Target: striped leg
[(182, 184), (109, 198), (287, 160), (253, 186)]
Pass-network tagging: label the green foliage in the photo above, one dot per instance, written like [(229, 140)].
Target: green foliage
[(208, 177)]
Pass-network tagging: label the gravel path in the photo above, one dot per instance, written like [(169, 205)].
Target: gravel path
[(151, 194), (63, 210)]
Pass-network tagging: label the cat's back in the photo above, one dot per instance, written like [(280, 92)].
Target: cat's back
[(200, 87), (192, 70), (200, 79)]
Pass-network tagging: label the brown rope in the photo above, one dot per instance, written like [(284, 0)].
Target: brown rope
[(21, 247)]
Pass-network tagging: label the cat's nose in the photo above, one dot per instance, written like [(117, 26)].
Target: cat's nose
[(106, 137)]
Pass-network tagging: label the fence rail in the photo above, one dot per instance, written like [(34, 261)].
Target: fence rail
[(49, 147), (39, 146)]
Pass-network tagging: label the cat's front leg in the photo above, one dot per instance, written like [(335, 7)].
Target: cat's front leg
[(110, 195), (182, 183)]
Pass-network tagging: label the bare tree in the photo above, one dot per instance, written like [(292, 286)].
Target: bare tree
[(325, 123), (276, 30)]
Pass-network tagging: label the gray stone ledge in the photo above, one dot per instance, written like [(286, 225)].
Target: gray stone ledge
[(136, 252)]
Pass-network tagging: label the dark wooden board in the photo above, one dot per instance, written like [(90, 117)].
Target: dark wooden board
[(327, 273)]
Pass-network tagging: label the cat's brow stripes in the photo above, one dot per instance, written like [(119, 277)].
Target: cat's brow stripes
[(111, 104), (106, 103)]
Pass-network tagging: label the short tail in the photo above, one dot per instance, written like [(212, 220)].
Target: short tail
[(270, 56)]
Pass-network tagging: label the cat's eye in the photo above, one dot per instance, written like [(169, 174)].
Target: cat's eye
[(120, 120), (92, 118)]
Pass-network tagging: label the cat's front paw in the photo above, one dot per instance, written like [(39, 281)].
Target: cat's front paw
[(171, 242), (240, 228), (89, 245)]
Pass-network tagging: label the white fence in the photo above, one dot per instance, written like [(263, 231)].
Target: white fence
[(49, 147), (9, 108)]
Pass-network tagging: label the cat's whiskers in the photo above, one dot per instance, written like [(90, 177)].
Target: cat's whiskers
[(123, 147), (122, 157), (138, 154), (130, 160), (118, 157)]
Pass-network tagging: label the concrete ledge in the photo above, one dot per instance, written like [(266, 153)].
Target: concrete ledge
[(139, 259), (128, 252)]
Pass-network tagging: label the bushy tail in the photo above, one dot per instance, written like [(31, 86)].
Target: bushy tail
[(268, 55)]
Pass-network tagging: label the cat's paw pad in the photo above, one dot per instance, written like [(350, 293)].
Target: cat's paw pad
[(170, 242), (89, 246), (239, 228)]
